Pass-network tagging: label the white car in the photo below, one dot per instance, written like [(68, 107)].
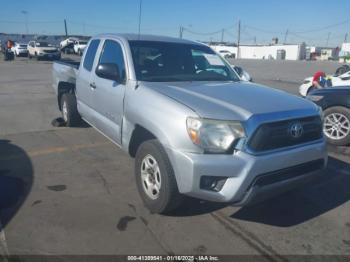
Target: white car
[(68, 42), (42, 50), (342, 80), (79, 47), (226, 54), (20, 49)]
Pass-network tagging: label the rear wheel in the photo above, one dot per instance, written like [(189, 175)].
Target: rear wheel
[(69, 110), (342, 70), (309, 90), (336, 126), (155, 178)]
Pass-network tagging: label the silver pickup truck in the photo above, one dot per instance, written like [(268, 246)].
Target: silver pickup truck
[(193, 127)]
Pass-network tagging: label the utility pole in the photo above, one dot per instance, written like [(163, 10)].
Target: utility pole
[(25, 13), (65, 27), (329, 35), (346, 38), (286, 36), (239, 38), (222, 35), (181, 32), (254, 40)]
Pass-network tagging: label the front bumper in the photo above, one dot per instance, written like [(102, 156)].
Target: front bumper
[(49, 55), (22, 51), (242, 170)]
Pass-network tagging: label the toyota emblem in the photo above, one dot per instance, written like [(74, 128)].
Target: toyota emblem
[(296, 130)]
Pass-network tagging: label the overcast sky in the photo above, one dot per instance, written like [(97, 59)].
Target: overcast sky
[(308, 20)]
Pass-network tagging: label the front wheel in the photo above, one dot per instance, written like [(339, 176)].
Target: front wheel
[(336, 126), (69, 109), (155, 178)]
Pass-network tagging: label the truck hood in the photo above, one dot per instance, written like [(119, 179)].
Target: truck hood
[(231, 101)]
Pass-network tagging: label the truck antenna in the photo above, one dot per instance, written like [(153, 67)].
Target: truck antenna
[(138, 36), (140, 16)]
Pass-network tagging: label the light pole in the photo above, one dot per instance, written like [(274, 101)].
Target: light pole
[(25, 13)]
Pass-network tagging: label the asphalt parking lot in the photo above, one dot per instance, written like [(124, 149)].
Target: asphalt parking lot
[(73, 192)]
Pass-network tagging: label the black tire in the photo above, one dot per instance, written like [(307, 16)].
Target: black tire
[(169, 197), (72, 118), (345, 112), (309, 90), (342, 70)]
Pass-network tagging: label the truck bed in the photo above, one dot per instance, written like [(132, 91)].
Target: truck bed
[(69, 62), (64, 71)]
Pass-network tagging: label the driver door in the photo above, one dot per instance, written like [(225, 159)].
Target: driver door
[(108, 95)]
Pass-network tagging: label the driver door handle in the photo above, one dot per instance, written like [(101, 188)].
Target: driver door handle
[(93, 85)]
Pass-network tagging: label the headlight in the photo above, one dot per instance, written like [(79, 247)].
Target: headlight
[(320, 112), (314, 98), (214, 136), (306, 82)]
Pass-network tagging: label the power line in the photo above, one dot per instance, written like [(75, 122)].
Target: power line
[(325, 27), (261, 30), (29, 22), (201, 33)]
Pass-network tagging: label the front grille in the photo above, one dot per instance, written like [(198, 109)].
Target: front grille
[(287, 173), (277, 135), (50, 51)]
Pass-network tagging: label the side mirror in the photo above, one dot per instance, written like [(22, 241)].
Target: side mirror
[(244, 75), (108, 71)]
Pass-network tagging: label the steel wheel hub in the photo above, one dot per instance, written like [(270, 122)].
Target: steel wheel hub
[(65, 111), (336, 126), (150, 177)]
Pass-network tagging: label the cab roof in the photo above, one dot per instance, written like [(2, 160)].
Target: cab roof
[(136, 37)]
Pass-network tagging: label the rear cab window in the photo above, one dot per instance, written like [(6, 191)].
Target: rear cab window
[(90, 54)]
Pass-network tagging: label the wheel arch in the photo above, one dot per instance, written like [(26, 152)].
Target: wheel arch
[(139, 135), (64, 87)]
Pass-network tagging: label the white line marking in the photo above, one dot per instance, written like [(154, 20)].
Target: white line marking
[(3, 244)]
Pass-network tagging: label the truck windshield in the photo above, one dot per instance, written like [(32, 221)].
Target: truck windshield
[(167, 62)]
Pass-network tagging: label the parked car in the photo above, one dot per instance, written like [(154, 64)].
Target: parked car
[(340, 80), (192, 126), (335, 103), (67, 42), (79, 47), (43, 50), (226, 54), (342, 70), (67, 45), (20, 49)]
